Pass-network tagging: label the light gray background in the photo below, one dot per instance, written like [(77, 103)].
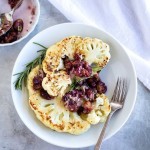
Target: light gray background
[(14, 135)]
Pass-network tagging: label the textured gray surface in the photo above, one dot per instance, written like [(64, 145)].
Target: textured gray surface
[(14, 135)]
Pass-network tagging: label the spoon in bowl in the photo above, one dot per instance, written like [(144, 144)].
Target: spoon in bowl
[(6, 19)]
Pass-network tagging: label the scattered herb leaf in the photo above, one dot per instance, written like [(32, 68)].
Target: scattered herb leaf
[(95, 67)]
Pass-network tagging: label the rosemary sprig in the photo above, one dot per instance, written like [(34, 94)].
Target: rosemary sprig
[(22, 76)]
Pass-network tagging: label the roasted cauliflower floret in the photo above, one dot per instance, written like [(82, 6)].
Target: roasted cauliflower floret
[(69, 45), (101, 110), (52, 59), (54, 115), (54, 55), (94, 51), (56, 83)]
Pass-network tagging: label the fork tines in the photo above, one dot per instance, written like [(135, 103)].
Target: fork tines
[(120, 91)]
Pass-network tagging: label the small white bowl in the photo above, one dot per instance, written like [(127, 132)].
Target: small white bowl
[(120, 65), (25, 13)]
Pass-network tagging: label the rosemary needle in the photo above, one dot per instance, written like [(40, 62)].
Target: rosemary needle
[(22, 76)]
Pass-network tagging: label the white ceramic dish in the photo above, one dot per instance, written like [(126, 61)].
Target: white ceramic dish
[(119, 65), (29, 12)]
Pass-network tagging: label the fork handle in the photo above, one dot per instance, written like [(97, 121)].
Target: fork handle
[(100, 139)]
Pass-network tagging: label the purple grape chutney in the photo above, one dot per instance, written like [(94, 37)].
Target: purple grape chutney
[(81, 97)]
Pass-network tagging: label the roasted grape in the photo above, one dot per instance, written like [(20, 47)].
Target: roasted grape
[(45, 95), (72, 100), (78, 67)]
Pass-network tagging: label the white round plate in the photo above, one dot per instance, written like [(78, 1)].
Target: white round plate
[(119, 66)]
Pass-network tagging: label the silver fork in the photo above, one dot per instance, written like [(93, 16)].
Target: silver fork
[(116, 103)]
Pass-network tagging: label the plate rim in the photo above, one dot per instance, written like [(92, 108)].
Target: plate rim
[(134, 75)]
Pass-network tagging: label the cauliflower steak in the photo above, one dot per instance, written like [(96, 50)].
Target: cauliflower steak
[(65, 92)]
